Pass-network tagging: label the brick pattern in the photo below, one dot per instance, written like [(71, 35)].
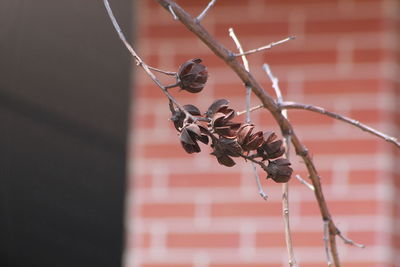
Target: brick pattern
[(188, 211)]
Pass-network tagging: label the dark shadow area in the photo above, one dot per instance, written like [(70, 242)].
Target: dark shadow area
[(64, 96)]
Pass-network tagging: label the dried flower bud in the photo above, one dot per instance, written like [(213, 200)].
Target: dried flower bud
[(271, 148), (189, 136), (220, 116), (279, 170), (216, 106), (178, 116), (192, 75), (224, 149), (247, 139)]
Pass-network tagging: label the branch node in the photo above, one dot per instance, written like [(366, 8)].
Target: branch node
[(231, 56)]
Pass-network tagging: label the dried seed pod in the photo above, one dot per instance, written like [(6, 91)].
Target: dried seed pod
[(192, 75), (271, 148), (279, 170), (178, 116), (216, 106), (189, 136)]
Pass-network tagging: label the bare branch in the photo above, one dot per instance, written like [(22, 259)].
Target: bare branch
[(170, 73), (248, 100), (305, 182), (348, 241), (285, 186), (326, 243), (141, 63), (293, 105), (267, 101), (202, 14), (265, 47)]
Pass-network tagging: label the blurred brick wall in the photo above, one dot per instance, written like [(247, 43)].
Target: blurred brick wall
[(186, 210)]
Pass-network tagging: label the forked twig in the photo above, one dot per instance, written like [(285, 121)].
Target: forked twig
[(248, 100), (356, 123)]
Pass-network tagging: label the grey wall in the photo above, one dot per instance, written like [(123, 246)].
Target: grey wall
[(64, 94)]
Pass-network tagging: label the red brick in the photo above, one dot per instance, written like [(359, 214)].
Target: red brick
[(368, 55), (142, 181), (171, 150), (253, 29), (366, 115), (300, 57), (168, 31), (202, 4), (355, 146), (344, 26), (359, 207), (304, 117), (229, 90), (208, 179), (144, 121), (203, 240), (246, 209), (167, 210), (208, 59), (364, 176), (367, 238), (298, 3), (345, 263), (341, 86), (270, 239), (300, 239), (235, 264)]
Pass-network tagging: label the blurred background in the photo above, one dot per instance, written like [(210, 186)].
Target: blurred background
[(92, 172), (187, 210)]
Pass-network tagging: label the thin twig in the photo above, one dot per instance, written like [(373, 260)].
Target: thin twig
[(348, 241), (238, 113), (285, 186), (305, 182), (141, 63), (265, 47), (202, 14), (170, 73), (248, 103), (293, 105), (326, 243)]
